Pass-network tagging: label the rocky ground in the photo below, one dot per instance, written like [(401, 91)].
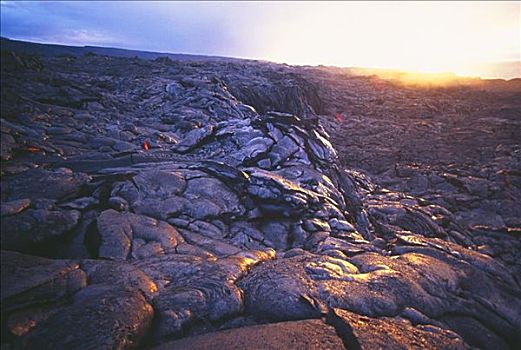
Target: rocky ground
[(241, 204)]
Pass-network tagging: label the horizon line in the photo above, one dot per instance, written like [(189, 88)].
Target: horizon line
[(390, 69)]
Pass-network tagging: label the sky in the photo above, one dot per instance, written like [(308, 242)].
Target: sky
[(467, 38)]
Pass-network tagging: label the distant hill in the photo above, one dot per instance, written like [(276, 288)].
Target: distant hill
[(409, 78), (60, 50)]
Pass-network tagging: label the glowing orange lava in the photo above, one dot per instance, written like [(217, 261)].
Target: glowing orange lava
[(32, 149)]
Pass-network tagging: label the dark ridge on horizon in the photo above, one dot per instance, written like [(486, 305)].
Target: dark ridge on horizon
[(34, 48), (44, 49)]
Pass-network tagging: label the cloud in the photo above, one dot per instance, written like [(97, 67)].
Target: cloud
[(208, 28)]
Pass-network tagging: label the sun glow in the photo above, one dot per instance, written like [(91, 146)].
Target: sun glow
[(414, 36), (467, 38)]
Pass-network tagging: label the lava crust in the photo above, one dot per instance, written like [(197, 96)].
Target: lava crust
[(203, 204)]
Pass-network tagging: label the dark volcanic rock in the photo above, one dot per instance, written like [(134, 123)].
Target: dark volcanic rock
[(194, 289), (33, 288), (193, 219), (39, 183), (100, 317), (141, 236), (119, 274), (362, 332), (35, 229), (374, 285), (29, 280), (308, 334)]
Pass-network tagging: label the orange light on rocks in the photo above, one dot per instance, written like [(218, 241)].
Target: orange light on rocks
[(146, 145), (339, 117)]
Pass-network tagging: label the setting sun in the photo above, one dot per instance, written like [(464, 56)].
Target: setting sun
[(462, 38)]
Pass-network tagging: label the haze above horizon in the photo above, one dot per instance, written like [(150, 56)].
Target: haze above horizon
[(466, 38)]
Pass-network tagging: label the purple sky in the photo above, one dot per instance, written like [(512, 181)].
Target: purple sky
[(222, 28), (427, 36)]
